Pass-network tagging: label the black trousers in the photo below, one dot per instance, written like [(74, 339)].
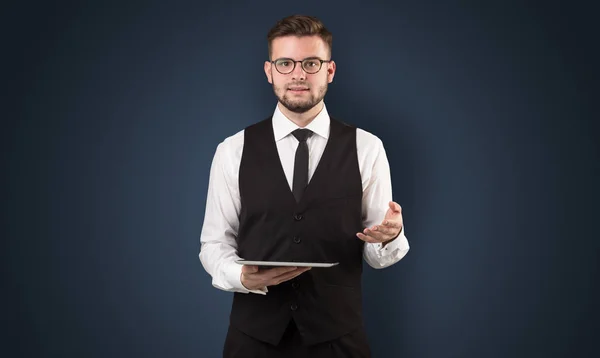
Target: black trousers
[(240, 345)]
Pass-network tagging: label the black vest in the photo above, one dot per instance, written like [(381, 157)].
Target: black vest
[(325, 303)]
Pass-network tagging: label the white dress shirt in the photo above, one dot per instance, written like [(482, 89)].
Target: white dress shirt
[(218, 250)]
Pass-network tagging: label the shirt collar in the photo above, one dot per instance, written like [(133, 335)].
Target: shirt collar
[(282, 126)]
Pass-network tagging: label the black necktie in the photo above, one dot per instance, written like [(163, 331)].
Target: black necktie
[(301, 163)]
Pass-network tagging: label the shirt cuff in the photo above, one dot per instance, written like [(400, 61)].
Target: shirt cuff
[(393, 249), (233, 274)]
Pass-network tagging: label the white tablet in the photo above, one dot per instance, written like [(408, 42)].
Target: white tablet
[(286, 263)]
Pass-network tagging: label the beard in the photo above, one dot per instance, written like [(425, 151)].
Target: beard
[(299, 105)]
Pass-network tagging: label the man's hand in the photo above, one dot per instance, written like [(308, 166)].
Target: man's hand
[(388, 230), (254, 279)]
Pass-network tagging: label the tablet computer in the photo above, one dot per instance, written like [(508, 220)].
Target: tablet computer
[(286, 263)]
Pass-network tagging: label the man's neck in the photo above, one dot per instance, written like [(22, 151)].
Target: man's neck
[(301, 119)]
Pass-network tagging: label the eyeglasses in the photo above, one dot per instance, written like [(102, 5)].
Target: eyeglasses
[(309, 65)]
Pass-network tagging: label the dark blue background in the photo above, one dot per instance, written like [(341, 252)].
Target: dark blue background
[(114, 110)]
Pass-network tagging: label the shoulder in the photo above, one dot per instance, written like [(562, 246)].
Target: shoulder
[(227, 156), (234, 140), (368, 145), (367, 141), (369, 148), (231, 146), (234, 144)]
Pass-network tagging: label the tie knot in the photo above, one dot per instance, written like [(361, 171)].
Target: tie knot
[(302, 134)]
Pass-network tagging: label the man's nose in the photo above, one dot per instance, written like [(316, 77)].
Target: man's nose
[(298, 72)]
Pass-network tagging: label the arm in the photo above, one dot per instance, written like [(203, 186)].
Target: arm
[(377, 194), (218, 250)]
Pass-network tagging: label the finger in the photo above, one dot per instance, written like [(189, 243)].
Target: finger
[(298, 273), (391, 229), (278, 271), (367, 238), (377, 235), (395, 207), (299, 270), (392, 224), (269, 276), (385, 230), (248, 269), (286, 276)]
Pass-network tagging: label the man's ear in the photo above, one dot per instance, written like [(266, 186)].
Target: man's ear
[(268, 72), (331, 67)]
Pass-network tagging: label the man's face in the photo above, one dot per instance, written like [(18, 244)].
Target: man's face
[(299, 91)]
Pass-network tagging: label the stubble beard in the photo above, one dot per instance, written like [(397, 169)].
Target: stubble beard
[(299, 106)]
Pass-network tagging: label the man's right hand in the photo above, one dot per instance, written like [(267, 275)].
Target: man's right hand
[(254, 279)]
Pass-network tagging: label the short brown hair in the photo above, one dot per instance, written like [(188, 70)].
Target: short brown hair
[(299, 25)]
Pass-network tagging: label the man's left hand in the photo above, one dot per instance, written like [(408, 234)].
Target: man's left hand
[(388, 230)]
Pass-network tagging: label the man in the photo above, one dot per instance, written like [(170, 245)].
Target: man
[(299, 186)]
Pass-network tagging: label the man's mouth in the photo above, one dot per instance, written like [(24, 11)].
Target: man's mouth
[(297, 89)]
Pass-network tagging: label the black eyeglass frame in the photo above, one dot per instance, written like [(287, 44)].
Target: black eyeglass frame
[(301, 64)]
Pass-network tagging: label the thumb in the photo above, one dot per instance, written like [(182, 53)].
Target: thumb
[(249, 269)]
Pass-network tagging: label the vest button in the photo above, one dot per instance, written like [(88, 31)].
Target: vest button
[(298, 217), (294, 307), (297, 239), (295, 285)]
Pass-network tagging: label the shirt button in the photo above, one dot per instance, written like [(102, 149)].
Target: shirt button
[(297, 239), (295, 285), (298, 217), (294, 307)]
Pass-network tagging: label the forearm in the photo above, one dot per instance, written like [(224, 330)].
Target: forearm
[(218, 259), (218, 251)]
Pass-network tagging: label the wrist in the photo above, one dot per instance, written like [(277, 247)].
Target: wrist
[(392, 239), (242, 281)]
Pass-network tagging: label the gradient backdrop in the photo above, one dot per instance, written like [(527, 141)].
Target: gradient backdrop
[(114, 110)]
